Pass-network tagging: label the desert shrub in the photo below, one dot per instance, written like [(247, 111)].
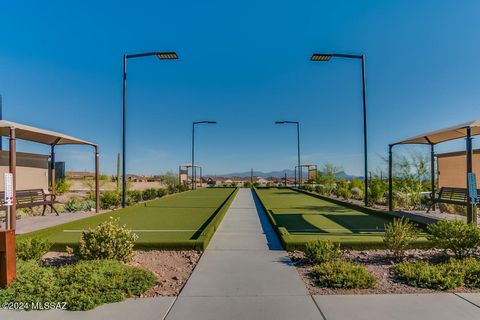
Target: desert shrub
[(455, 235), (161, 192), (320, 189), (453, 208), (62, 186), (149, 194), (399, 234), (471, 267), (343, 274), (376, 191), (357, 193), (183, 188), (307, 187), (110, 199), (82, 286), (322, 251), (109, 240), (134, 196), (74, 205), (421, 274), (32, 248), (343, 190), (247, 184)]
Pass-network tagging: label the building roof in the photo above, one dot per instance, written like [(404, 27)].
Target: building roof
[(29, 133), (443, 135)]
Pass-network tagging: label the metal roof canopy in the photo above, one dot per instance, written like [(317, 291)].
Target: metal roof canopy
[(29, 133), (464, 130), (443, 135), (15, 131)]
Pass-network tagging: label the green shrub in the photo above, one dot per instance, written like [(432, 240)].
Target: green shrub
[(134, 196), (161, 192), (399, 234), (74, 205), (109, 240), (322, 251), (82, 286), (471, 268), (32, 248), (421, 274), (343, 274), (110, 199), (455, 235), (376, 191), (247, 184), (320, 189), (149, 194), (62, 186)]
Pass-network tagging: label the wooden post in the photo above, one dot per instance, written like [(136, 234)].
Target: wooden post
[(432, 172), (97, 186), (13, 171), (8, 267), (471, 208)]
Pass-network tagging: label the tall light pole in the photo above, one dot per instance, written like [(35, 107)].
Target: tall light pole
[(159, 55), (193, 148), (298, 147), (361, 58)]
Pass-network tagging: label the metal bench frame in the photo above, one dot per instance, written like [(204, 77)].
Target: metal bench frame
[(458, 196), (32, 198)]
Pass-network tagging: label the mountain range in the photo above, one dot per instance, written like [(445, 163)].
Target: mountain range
[(281, 174)]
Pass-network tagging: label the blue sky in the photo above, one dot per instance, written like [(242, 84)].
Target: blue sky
[(244, 64)]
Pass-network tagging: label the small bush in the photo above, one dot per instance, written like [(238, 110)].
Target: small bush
[(161, 192), (472, 273), (322, 251), (75, 205), (109, 240), (82, 286), (343, 274), (32, 248), (62, 186), (135, 196), (421, 274), (399, 234), (247, 184), (455, 235), (149, 194), (110, 199)]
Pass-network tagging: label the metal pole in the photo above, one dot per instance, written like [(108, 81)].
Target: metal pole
[(251, 177), (13, 171), (364, 92), (298, 155), (97, 184), (432, 172), (1, 118), (124, 137), (295, 171), (285, 179), (52, 168), (390, 179), (193, 153), (471, 209)]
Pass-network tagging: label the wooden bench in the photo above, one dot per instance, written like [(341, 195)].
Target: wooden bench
[(458, 196), (32, 198)]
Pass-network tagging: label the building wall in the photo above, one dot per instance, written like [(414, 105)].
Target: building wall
[(32, 170), (452, 169)]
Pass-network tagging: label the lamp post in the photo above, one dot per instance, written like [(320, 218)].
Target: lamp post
[(298, 147), (193, 148), (327, 57), (159, 55)]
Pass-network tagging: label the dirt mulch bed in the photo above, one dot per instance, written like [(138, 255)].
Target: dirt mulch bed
[(172, 268), (378, 262)]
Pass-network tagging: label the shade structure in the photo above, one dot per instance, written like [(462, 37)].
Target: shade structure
[(443, 135), (465, 130), (29, 133)]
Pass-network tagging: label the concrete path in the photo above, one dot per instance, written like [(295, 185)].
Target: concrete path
[(244, 273)]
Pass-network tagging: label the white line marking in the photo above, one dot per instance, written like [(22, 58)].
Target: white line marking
[(339, 229), (186, 230)]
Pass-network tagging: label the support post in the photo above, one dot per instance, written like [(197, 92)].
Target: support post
[(193, 154), (97, 185), (13, 171), (471, 208), (390, 179), (52, 169), (285, 179), (251, 177), (364, 95), (432, 172), (295, 176), (124, 132), (298, 154)]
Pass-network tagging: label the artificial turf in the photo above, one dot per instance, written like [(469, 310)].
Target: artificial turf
[(182, 221), (299, 218)]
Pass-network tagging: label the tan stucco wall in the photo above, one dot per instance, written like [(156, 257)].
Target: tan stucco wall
[(452, 171), (27, 178)]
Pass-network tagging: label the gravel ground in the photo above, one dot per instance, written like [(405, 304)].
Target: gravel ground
[(378, 262), (172, 268)]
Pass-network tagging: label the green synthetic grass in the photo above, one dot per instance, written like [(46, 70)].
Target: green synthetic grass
[(299, 218), (182, 221)]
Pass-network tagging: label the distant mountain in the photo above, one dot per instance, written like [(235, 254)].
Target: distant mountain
[(280, 174)]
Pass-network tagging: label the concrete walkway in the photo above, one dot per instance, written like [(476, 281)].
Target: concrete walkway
[(244, 273)]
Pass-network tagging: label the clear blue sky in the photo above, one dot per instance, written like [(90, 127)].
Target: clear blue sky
[(244, 64)]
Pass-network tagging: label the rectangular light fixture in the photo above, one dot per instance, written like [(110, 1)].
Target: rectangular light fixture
[(320, 57), (167, 55)]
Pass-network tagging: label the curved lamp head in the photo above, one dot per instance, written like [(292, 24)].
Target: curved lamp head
[(166, 55), (321, 57)]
